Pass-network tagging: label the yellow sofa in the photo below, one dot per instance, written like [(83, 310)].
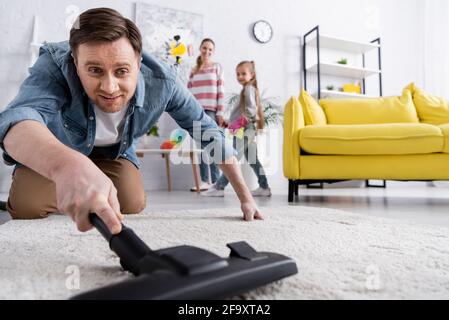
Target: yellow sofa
[(388, 138)]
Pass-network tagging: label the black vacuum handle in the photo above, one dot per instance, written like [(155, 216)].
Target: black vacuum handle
[(126, 244), (101, 226)]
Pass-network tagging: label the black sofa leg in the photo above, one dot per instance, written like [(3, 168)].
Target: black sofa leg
[(291, 189), (296, 188)]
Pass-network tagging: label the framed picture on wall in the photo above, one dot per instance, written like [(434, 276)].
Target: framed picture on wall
[(170, 35)]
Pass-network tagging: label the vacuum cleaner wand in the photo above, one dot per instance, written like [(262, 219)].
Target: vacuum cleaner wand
[(127, 245), (101, 226), (186, 272)]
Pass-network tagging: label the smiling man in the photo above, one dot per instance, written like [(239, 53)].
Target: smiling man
[(73, 127)]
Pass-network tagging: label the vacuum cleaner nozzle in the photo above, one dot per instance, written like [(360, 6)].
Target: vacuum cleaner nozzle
[(187, 272)]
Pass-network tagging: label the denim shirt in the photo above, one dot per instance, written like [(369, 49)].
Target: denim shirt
[(54, 96)]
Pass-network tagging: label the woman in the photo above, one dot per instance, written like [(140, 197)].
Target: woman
[(206, 84)]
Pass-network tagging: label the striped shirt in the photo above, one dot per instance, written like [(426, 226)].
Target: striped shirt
[(207, 86)]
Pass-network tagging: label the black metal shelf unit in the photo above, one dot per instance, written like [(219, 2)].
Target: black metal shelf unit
[(316, 31)]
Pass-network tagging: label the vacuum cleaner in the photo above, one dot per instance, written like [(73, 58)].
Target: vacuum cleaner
[(185, 272)]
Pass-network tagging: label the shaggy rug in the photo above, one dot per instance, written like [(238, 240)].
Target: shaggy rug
[(340, 255)]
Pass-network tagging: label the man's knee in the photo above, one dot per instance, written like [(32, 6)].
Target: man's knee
[(133, 203), (128, 182), (31, 196), (26, 210)]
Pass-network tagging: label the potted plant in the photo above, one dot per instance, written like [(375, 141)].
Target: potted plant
[(154, 131), (145, 140)]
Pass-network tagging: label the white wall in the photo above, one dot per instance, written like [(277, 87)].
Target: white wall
[(228, 22), (402, 34)]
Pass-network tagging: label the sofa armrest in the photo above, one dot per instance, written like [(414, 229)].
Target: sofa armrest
[(293, 123)]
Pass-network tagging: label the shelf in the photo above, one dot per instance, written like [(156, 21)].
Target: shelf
[(343, 44), (342, 70), (339, 94), (325, 65)]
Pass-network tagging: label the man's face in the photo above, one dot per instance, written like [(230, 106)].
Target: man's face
[(108, 72)]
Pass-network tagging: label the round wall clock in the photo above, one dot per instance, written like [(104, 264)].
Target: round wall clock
[(262, 31)]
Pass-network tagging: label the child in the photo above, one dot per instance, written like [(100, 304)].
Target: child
[(247, 112), (206, 84)]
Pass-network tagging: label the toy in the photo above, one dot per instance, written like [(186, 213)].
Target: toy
[(175, 140), (237, 127)]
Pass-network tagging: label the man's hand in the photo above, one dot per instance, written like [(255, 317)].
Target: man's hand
[(251, 211), (82, 188), (231, 169)]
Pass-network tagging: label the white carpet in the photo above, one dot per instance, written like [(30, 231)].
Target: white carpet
[(340, 255)]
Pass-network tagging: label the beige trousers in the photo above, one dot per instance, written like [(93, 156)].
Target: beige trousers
[(33, 196)]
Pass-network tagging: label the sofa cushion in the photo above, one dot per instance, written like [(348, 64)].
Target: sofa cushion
[(385, 139), (371, 111), (431, 109), (445, 130), (313, 113)]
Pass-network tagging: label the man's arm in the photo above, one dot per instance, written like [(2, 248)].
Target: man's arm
[(81, 187), (187, 112)]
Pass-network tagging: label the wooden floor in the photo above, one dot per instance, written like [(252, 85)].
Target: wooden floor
[(411, 202)]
